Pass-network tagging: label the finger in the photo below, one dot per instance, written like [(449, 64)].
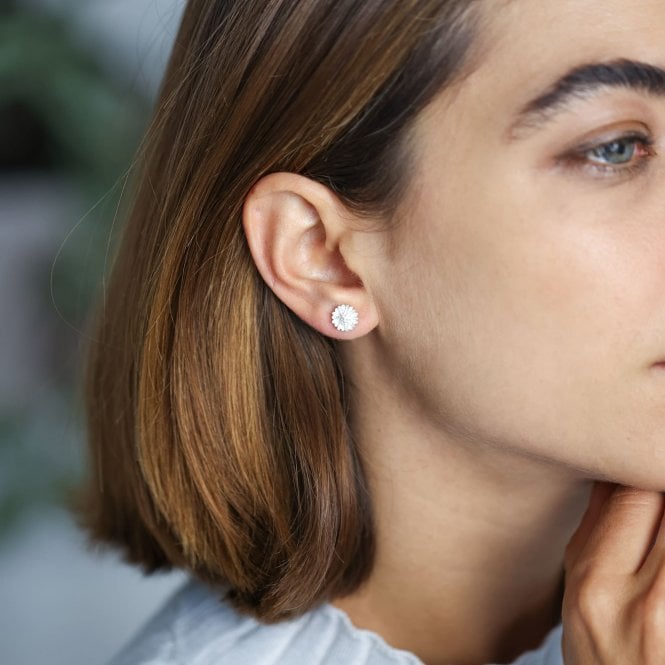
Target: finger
[(655, 557), (623, 533), (600, 492)]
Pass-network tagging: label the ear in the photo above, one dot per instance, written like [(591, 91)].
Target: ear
[(296, 229)]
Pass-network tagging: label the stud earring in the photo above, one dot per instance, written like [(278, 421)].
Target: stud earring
[(345, 318)]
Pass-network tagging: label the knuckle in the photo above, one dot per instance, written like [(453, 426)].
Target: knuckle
[(652, 640), (591, 601), (645, 617), (653, 611)]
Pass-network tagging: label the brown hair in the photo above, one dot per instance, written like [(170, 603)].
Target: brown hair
[(217, 418)]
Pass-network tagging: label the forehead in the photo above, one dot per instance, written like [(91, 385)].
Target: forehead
[(526, 46), (528, 42)]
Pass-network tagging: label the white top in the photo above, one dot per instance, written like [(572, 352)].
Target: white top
[(197, 627)]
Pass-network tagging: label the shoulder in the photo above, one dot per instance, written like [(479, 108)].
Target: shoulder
[(197, 627)]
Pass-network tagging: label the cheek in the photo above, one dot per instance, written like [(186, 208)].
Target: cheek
[(560, 291), (514, 331)]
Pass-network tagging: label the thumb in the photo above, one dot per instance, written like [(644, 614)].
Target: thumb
[(622, 532), (600, 492)]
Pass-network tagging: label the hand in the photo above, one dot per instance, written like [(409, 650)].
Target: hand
[(614, 602)]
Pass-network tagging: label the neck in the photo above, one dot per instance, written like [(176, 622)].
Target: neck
[(470, 538)]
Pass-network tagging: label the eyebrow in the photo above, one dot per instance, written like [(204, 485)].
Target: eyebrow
[(583, 81)]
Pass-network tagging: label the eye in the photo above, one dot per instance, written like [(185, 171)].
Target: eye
[(616, 153), (620, 156)]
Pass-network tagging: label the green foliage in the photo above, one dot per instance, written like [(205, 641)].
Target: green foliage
[(93, 124)]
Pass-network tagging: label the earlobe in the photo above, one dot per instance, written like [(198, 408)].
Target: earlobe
[(294, 228)]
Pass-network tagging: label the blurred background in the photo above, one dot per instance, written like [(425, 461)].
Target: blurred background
[(77, 82)]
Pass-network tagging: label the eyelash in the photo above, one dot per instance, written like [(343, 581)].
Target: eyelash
[(578, 158)]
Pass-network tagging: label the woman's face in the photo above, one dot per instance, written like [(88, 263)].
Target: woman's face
[(525, 291)]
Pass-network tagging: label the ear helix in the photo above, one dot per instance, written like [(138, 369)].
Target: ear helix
[(345, 318)]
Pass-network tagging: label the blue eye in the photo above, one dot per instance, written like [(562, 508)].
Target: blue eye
[(620, 156), (616, 152)]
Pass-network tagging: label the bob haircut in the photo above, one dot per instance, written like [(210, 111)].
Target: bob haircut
[(216, 418)]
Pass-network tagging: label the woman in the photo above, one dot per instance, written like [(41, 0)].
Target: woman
[(390, 300)]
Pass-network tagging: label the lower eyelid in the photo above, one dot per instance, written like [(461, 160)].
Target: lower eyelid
[(611, 171)]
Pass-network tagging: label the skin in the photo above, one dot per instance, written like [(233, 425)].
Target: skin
[(510, 326)]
